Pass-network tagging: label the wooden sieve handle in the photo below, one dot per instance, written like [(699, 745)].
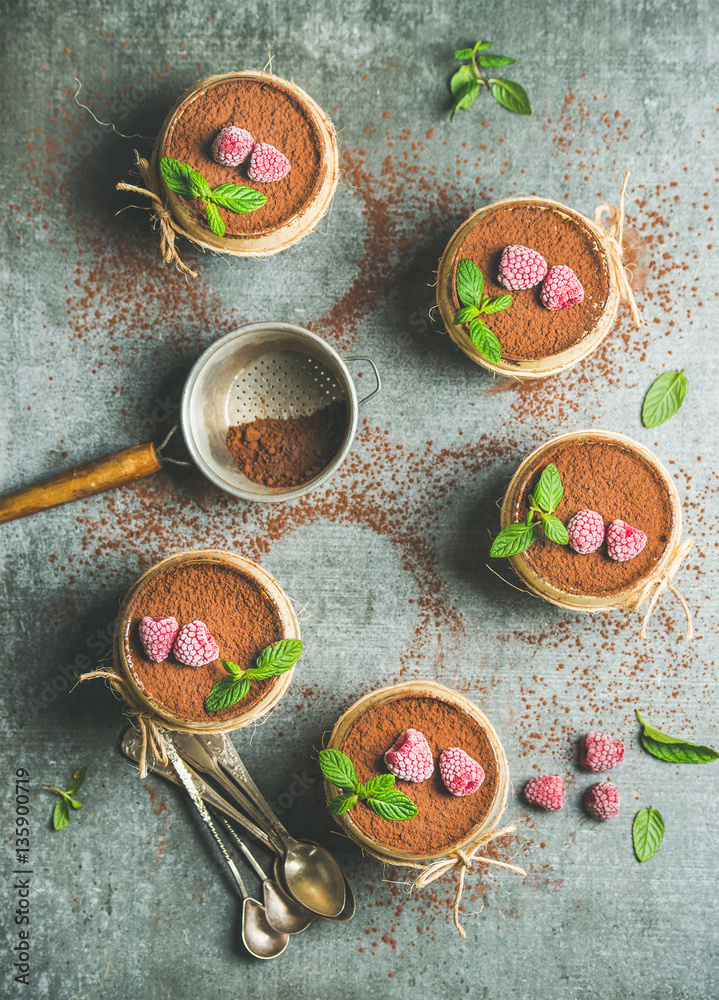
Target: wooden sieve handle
[(83, 481)]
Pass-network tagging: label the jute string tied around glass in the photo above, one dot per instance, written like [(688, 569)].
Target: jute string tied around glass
[(614, 245)]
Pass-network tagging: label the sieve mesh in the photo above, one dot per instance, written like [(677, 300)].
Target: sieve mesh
[(281, 384)]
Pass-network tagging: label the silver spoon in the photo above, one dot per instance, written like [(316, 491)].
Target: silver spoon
[(284, 913), (259, 938), (348, 910)]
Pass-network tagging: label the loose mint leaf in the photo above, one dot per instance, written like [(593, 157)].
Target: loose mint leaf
[(338, 769), (659, 737), (343, 803), (470, 283), (497, 305), (513, 539), (231, 668), (463, 53), (61, 814), (376, 786), (679, 753), (511, 96), (77, 781), (549, 490), (238, 198), (495, 61), (480, 46), (74, 803), (227, 691), (665, 396), (554, 529), (647, 833), (276, 659), (214, 219), (465, 315), (393, 804), (463, 78), (182, 179), (485, 341)]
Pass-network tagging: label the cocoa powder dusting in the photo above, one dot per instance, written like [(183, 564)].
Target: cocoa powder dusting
[(443, 818), (242, 618), (270, 114), (288, 451), (617, 482), (526, 330)]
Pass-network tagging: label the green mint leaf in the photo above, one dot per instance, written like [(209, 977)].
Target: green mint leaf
[(182, 179), (375, 787), (393, 804), (338, 769), (214, 219), (511, 96), (74, 803), (276, 659), (470, 283), (549, 490), (664, 397), (679, 753), (464, 77), (463, 53), (343, 803), (493, 61), (466, 98), (554, 529), (61, 814), (647, 833), (77, 781), (227, 691), (513, 539), (465, 315), (497, 305), (237, 198), (485, 341), (232, 668), (480, 46)]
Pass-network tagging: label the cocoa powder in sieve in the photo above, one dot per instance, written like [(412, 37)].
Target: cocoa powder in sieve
[(241, 616), (616, 482), (287, 452), (526, 330), (270, 114), (443, 818)]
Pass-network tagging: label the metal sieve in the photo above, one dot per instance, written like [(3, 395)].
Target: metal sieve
[(264, 370)]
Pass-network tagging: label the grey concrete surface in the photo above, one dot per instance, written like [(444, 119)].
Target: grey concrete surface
[(390, 559)]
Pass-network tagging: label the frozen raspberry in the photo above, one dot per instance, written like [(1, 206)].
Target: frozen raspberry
[(602, 800), (157, 636), (232, 146), (547, 792), (194, 646), (586, 531), (623, 541), (521, 267), (561, 288), (410, 757), (461, 774), (600, 752), (267, 164)]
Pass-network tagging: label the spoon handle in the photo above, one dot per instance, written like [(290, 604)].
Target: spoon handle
[(239, 843), (226, 752)]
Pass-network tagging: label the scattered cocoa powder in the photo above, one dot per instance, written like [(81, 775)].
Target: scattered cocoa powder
[(288, 451), (526, 330), (443, 818), (242, 618), (270, 114), (615, 481)]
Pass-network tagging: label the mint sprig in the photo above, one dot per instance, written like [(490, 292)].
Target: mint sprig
[(466, 84), (377, 793), (470, 289), (272, 661), (61, 812), (182, 179), (547, 496), (664, 397), (674, 749)]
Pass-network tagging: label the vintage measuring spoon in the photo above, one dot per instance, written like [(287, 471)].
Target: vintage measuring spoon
[(284, 913), (259, 938), (348, 910)]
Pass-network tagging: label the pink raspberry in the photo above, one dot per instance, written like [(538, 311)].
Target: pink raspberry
[(157, 636), (232, 146), (561, 288), (267, 164), (600, 752), (410, 757), (602, 800), (547, 792), (586, 531), (623, 541), (194, 646), (461, 774), (521, 268)]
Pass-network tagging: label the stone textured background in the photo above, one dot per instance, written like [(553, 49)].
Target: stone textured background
[(97, 339)]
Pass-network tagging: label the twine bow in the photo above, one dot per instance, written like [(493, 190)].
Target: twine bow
[(161, 217), (614, 236), (462, 862), (656, 587)]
